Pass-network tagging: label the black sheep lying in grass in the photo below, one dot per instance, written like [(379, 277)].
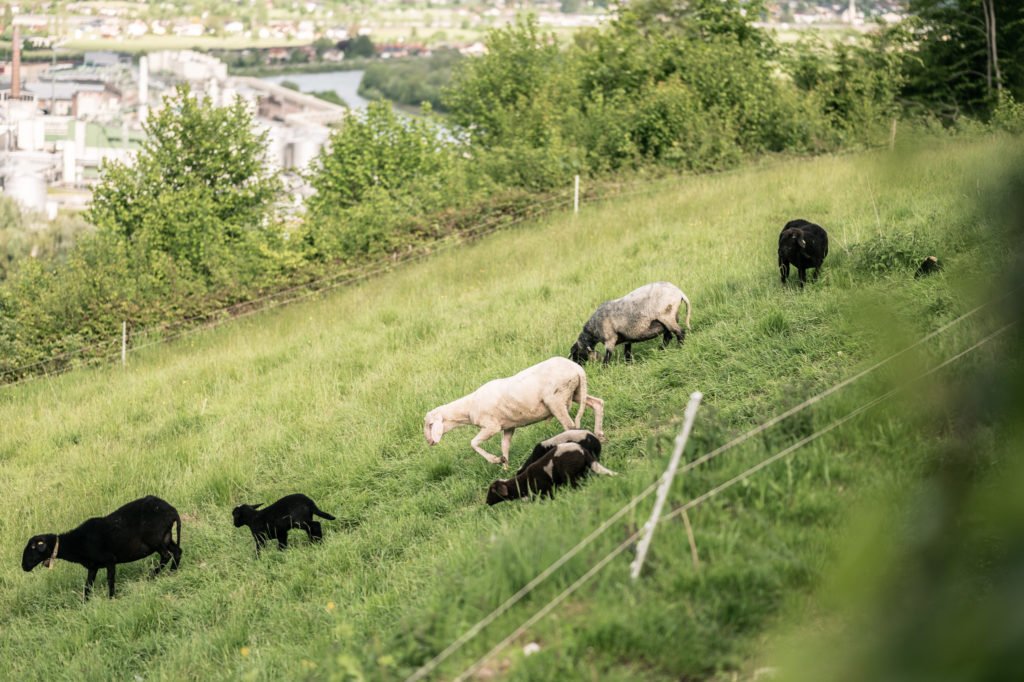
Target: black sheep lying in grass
[(133, 532), (804, 245), (274, 522), (579, 436), (562, 464)]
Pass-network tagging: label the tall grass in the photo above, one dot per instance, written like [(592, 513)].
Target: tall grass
[(328, 397)]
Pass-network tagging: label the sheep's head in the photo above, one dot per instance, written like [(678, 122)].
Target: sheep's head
[(498, 492), (580, 352), (243, 514), (433, 427), (38, 550), (792, 241)]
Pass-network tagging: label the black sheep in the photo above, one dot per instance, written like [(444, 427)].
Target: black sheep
[(274, 522), (562, 464), (133, 532), (581, 437), (804, 245), (929, 266)]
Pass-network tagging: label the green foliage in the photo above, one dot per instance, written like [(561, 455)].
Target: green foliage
[(516, 93), (330, 96), (1009, 115), (892, 252), (855, 85), (199, 191), (687, 84), (951, 74), (378, 149), (411, 81), (360, 46)]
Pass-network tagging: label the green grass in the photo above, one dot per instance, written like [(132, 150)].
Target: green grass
[(328, 398)]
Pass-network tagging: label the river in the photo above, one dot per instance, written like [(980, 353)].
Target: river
[(345, 83)]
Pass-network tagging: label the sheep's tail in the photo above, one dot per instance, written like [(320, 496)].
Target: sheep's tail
[(687, 302), (322, 514), (581, 397)]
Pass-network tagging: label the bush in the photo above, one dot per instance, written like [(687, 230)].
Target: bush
[(891, 251)]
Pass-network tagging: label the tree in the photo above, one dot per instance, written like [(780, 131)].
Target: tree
[(199, 190), (967, 52), (360, 46), (376, 150)]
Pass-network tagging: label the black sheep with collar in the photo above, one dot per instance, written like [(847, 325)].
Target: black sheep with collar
[(135, 531)]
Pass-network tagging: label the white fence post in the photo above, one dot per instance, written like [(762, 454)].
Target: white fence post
[(576, 197), (666, 483), (124, 343)]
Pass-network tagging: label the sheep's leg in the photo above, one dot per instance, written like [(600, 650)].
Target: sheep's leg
[(784, 270), (111, 573), (89, 580), (597, 468), (609, 347), (560, 411), (165, 556), (598, 406), (315, 532), (485, 433), (261, 540), (282, 539), (802, 272), (666, 336), (176, 558), (817, 273), (506, 444), (628, 352), (672, 327)]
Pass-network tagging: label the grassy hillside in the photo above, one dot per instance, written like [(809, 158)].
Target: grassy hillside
[(328, 398)]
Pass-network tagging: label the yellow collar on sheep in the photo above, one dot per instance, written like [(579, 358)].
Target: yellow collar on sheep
[(53, 557)]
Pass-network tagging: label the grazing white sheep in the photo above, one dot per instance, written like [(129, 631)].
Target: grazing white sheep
[(547, 389)]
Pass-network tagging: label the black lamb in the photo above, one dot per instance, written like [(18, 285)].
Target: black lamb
[(803, 245), (562, 464), (581, 437), (274, 522), (133, 532)]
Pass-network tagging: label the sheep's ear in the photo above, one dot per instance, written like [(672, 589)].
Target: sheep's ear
[(257, 506), (437, 429), (502, 489)]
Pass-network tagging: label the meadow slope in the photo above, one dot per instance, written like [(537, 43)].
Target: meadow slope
[(328, 398)]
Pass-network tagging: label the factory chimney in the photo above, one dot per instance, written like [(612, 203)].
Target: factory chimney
[(16, 64), (143, 89)]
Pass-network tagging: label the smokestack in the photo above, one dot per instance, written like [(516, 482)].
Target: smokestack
[(143, 89), (16, 64)]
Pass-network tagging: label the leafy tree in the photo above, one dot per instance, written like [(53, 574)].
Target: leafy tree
[(378, 150), (516, 92), (199, 191), (360, 46), (955, 71)]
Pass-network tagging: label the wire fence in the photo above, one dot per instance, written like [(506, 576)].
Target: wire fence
[(697, 501), (473, 631)]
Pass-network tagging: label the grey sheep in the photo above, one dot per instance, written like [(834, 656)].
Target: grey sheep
[(648, 312)]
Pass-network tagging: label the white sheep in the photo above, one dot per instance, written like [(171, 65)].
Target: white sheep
[(547, 389)]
